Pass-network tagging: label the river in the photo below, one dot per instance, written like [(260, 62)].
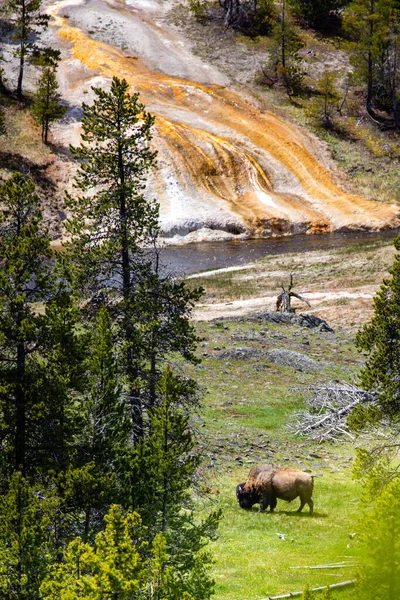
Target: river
[(194, 258)]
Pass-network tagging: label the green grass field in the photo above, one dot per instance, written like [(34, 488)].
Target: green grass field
[(247, 405)]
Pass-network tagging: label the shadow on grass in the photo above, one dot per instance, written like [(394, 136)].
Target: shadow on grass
[(288, 513), (294, 513)]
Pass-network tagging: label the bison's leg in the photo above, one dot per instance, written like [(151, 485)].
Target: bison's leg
[(304, 501), (272, 504), (264, 502), (311, 505)]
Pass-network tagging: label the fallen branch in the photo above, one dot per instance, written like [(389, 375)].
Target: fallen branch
[(317, 589), (329, 407), (338, 566)]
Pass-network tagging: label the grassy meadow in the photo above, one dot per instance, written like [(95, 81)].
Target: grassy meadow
[(247, 405)]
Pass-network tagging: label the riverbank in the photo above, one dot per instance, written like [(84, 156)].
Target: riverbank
[(339, 283)]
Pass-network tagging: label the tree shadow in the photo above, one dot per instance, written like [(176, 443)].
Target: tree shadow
[(17, 162)]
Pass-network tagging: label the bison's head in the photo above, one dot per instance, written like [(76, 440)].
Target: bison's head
[(246, 498)]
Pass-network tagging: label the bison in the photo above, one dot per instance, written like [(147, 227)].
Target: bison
[(266, 483)]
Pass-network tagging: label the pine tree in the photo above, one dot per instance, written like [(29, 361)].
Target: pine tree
[(112, 232), (41, 351), (112, 226), (165, 329), (368, 23), (93, 482), (307, 594), (379, 577), (112, 568), (318, 13), (28, 22), (163, 462), (47, 107), (161, 470), (284, 59), (120, 564), (380, 340), (25, 278), (323, 107), (25, 541)]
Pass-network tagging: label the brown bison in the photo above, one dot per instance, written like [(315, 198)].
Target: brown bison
[(266, 483)]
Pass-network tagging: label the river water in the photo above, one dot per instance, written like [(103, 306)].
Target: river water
[(194, 258)]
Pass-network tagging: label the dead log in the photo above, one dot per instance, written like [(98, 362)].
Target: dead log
[(283, 301), (342, 584)]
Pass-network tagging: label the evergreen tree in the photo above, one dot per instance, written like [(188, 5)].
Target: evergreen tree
[(64, 347), (165, 305), (307, 594), (112, 568), (163, 463), (47, 107), (284, 59), (379, 577), (380, 340), (323, 107), (373, 25), (93, 481), (161, 470), (28, 22), (25, 278), (112, 226), (119, 565), (25, 541), (318, 13), (41, 351), (112, 231)]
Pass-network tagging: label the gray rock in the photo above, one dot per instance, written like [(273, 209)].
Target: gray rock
[(288, 358), (241, 354)]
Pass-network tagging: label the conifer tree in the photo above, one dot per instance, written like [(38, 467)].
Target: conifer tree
[(318, 13), (120, 565), (27, 21), (367, 23), (93, 482), (112, 568), (47, 107), (323, 107), (380, 340), (112, 226), (163, 462), (112, 231), (25, 277), (40, 352), (161, 470), (379, 577), (25, 541), (286, 42)]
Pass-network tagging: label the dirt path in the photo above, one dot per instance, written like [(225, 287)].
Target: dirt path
[(225, 167), (324, 304)]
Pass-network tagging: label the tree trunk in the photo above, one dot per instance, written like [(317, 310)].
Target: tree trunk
[(370, 57), (20, 412), (135, 400), (22, 49)]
